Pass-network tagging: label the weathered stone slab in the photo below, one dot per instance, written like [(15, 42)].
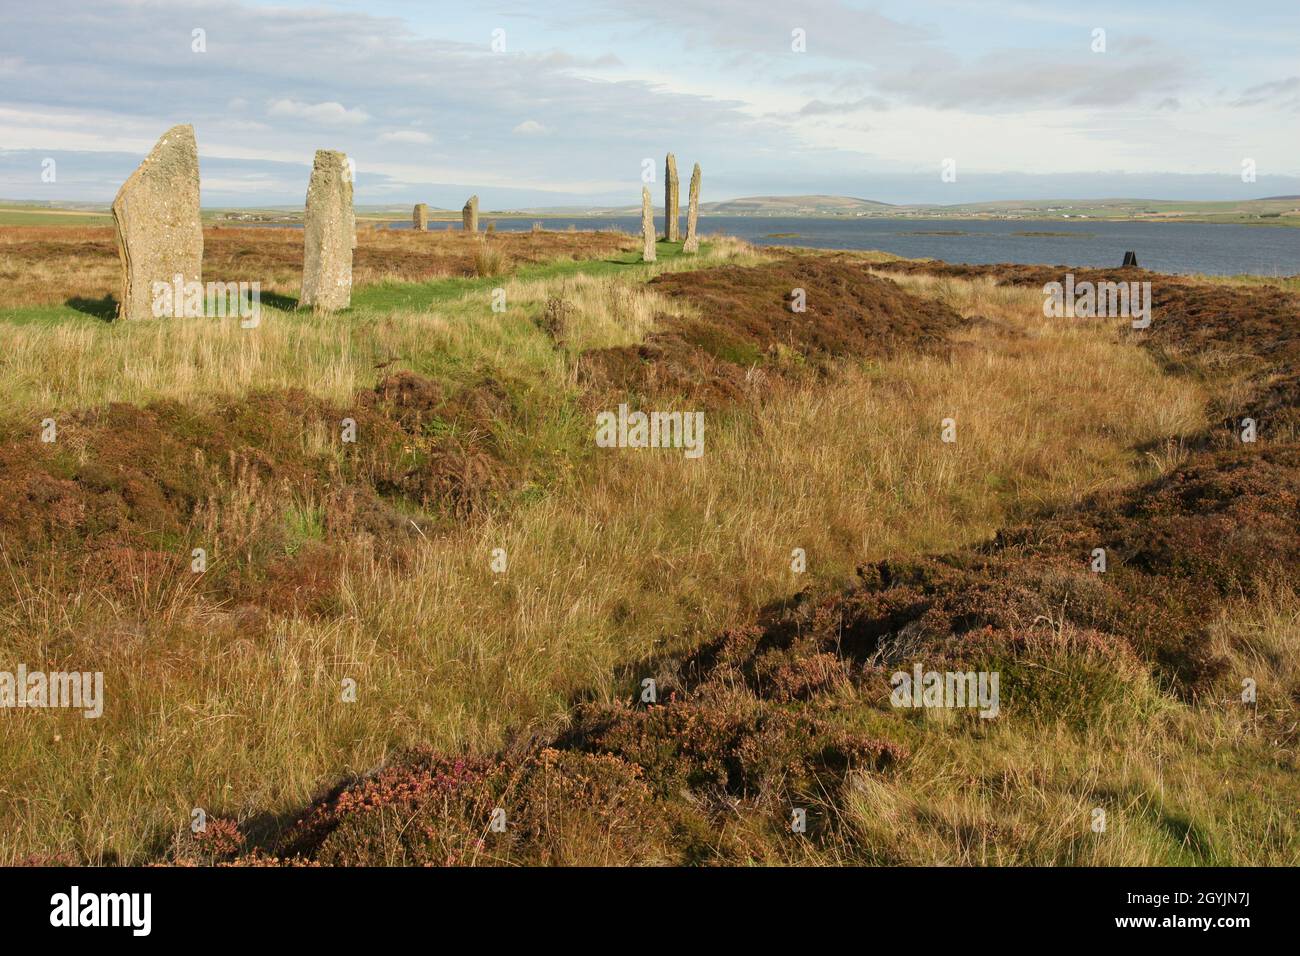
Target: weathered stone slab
[(420, 217), (156, 221), (330, 234), (672, 199), (469, 215), (647, 226), (692, 243)]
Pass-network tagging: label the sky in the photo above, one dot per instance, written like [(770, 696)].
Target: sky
[(558, 103)]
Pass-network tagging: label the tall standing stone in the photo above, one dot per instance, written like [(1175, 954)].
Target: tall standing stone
[(156, 221), (647, 226), (469, 215), (420, 217), (672, 198), (692, 243), (329, 234)]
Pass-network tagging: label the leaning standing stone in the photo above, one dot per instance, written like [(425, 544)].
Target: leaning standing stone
[(647, 226), (156, 221), (672, 198), (420, 217), (329, 234), (692, 243), (469, 215)]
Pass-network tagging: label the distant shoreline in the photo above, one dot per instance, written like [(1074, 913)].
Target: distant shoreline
[(1285, 222), (10, 216)]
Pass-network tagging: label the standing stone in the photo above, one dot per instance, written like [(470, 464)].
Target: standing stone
[(647, 226), (692, 243), (329, 234), (672, 198), (420, 217), (156, 222), (469, 215)]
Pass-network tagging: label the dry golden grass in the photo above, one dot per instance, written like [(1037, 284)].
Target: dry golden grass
[(1184, 785), (1261, 638), (47, 368), (640, 552)]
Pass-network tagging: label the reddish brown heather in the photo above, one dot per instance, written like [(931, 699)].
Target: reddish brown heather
[(625, 784), (127, 492), (746, 329), (50, 265)]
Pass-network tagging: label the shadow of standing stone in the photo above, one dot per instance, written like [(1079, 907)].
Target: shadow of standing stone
[(105, 308)]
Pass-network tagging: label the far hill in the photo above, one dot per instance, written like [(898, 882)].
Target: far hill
[(1273, 211), (795, 206), (744, 206)]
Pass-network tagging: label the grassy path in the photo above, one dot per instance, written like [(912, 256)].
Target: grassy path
[(389, 296)]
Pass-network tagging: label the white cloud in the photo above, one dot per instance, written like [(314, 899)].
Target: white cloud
[(716, 83), (246, 126), (331, 113), (406, 136)]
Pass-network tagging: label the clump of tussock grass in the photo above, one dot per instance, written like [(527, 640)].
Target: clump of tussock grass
[(489, 261)]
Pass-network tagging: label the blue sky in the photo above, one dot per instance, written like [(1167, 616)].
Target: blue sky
[(1013, 92)]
